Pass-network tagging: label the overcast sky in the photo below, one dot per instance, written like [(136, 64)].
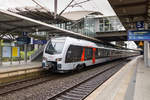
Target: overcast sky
[(102, 6)]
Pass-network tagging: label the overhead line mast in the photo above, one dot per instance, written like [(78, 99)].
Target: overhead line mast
[(55, 9), (73, 5)]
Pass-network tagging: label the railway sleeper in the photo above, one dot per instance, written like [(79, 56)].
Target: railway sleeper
[(89, 85), (74, 94), (66, 97), (81, 90), (78, 92), (60, 98)]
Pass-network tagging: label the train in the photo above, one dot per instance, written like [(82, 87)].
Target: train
[(64, 54)]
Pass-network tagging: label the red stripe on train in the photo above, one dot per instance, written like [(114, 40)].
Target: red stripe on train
[(93, 59), (83, 55)]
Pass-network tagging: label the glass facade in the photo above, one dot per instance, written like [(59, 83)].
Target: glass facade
[(91, 24), (110, 23)]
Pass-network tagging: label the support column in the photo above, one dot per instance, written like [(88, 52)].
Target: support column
[(0, 53), (25, 53), (146, 51), (146, 47)]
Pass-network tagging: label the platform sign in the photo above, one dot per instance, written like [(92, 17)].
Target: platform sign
[(38, 41), (6, 51), (139, 35), (23, 40), (140, 25), (25, 34), (15, 51)]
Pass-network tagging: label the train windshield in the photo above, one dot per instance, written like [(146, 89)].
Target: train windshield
[(54, 47)]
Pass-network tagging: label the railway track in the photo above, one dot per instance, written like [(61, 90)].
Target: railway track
[(21, 84), (83, 89), (76, 92)]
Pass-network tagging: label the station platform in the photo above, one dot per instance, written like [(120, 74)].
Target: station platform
[(16, 68), (132, 82)]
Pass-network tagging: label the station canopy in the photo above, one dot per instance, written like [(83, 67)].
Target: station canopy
[(38, 13), (15, 23), (131, 11)]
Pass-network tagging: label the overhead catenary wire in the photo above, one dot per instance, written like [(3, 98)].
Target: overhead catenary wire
[(66, 7), (40, 5), (95, 5), (78, 3)]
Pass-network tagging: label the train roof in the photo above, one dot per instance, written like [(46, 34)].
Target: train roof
[(82, 42)]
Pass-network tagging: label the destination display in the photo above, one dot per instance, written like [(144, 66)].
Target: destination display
[(139, 35)]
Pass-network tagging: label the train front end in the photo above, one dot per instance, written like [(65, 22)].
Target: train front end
[(53, 54)]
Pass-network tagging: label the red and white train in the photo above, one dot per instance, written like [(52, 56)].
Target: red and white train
[(63, 54)]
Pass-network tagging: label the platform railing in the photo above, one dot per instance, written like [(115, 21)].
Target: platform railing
[(36, 53)]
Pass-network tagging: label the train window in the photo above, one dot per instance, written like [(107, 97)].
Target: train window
[(96, 53), (113, 52), (103, 53), (74, 53), (109, 53), (106, 52), (99, 53)]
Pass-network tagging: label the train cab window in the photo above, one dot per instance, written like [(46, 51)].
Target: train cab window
[(54, 47)]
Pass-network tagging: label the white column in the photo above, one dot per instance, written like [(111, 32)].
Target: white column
[(0, 53), (146, 51)]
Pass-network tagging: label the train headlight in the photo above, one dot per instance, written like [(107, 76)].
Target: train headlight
[(44, 58), (58, 59)]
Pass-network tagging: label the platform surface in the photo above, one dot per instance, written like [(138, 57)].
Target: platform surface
[(7, 67), (132, 82)]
